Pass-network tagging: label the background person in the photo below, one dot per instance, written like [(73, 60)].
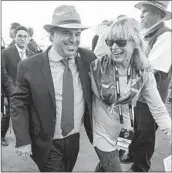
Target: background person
[(17, 52), (32, 45), (158, 36), (11, 56), (12, 32), (96, 37), (6, 91), (101, 48)]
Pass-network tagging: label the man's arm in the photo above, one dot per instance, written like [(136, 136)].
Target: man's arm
[(94, 42), (160, 54), (6, 81), (5, 59), (19, 108)]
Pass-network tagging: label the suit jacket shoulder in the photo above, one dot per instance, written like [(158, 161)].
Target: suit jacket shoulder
[(9, 52), (86, 55), (29, 52), (32, 62), (9, 49)]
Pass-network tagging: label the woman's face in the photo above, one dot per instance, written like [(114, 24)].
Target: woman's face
[(122, 50)]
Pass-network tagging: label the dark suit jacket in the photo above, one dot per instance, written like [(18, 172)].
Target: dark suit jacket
[(11, 59), (33, 109), (6, 82)]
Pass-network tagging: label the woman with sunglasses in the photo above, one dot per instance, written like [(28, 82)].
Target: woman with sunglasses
[(118, 81)]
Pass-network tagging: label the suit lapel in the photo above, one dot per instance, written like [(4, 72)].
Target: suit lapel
[(47, 75), (82, 73), (16, 54)]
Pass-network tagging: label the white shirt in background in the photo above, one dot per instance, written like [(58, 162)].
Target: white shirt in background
[(160, 54), (22, 53), (101, 48)]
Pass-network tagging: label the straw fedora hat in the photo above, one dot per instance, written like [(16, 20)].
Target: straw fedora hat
[(162, 5), (65, 16)]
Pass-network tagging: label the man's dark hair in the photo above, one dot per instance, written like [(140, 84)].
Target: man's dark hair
[(15, 25), (20, 28)]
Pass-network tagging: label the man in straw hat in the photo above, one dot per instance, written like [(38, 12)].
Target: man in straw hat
[(52, 98), (158, 37)]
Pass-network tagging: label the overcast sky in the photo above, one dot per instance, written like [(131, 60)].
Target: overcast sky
[(38, 13)]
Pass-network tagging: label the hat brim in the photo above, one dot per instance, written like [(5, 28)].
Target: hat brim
[(168, 13), (69, 26)]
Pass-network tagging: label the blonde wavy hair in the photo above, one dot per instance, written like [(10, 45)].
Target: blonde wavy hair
[(128, 28)]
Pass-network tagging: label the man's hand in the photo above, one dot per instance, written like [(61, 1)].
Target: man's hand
[(5, 101), (24, 151)]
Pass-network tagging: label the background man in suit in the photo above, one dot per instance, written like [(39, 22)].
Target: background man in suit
[(11, 57), (99, 31), (6, 90), (12, 32), (158, 37), (52, 97), (32, 45), (14, 54)]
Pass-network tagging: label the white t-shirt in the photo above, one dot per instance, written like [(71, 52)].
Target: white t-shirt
[(160, 54)]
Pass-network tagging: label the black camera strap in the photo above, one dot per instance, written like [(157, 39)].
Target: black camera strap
[(129, 77)]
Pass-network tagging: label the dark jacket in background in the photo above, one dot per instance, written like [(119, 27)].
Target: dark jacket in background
[(7, 88), (11, 59), (6, 82), (33, 46)]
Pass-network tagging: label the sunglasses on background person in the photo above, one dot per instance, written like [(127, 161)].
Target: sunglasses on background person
[(119, 43)]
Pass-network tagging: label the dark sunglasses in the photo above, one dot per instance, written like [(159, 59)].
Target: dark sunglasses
[(120, 43)]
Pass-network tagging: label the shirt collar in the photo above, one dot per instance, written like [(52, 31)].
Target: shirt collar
[(147, 31), (54, 56), (19, 49)]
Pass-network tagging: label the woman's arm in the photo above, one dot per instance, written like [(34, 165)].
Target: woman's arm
[(155, 104)]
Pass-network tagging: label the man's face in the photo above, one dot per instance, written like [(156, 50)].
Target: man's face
[(21, 38), (148, 16), (66, 41)]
